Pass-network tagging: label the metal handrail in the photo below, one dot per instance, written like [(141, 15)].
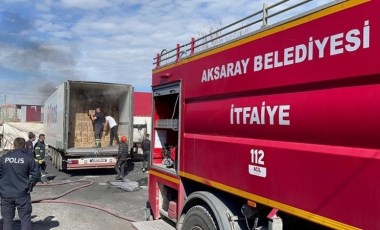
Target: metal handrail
[(176, 54), (287, 9)]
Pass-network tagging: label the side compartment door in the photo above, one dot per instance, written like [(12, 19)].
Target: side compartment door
[(166, 127)]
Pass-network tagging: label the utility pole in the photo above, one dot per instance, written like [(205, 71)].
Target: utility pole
[(6, 107), (4, 117), (2, 108)]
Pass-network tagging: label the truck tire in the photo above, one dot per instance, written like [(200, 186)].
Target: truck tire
[(199, 218), (217, 207), (59, 161), (56, 160), (53, 157)]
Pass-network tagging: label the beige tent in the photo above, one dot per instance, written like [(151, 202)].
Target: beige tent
[(11, 130)]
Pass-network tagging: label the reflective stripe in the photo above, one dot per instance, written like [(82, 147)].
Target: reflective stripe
[(272, 203)]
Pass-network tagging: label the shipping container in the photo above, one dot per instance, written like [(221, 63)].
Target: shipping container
[(69, 129)]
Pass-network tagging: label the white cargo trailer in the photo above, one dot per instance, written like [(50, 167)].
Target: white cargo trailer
[(69, 129)]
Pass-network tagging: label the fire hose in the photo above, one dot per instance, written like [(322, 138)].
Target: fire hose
[(54, 199)]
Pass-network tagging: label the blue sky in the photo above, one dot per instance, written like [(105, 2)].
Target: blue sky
[(46, 42)]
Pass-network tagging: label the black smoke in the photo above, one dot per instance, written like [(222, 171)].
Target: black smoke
[(43, 64)]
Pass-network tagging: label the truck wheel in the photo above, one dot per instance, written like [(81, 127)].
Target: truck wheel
[(59, 161), (55, 154), (53, 157), (56, 159), (198, 218)]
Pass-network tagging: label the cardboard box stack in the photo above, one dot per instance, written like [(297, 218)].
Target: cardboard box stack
[(84, 132), (82, 127)]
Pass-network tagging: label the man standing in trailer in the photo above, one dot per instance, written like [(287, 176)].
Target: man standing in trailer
[(110, 121), (98, 119)]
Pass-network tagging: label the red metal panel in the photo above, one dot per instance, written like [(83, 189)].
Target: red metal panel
[(333, 182), (346, 116), (33, 113), (154, 195), (158, 177), (142, 105)]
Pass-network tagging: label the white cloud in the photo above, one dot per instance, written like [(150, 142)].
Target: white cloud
[(14, 1), (44, 5), (86, 4)]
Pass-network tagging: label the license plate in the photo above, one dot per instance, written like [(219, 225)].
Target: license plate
[(98, 160)]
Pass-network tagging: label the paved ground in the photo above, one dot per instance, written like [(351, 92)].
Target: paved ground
[(100, 193)]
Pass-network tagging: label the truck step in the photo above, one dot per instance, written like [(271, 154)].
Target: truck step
[(152, 225)]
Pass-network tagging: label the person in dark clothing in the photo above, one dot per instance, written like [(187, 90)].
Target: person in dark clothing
[(145, 146), (98, 119), (18, 175), (122, 157), (29, 148), (39, 156)]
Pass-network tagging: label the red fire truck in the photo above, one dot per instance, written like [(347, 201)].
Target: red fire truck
[(278, 128)]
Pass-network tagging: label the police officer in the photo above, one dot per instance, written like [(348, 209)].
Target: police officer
[(39, 156), (99, 120), (18, 175)]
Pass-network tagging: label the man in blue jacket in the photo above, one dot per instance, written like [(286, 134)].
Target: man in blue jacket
[(18, 175)]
